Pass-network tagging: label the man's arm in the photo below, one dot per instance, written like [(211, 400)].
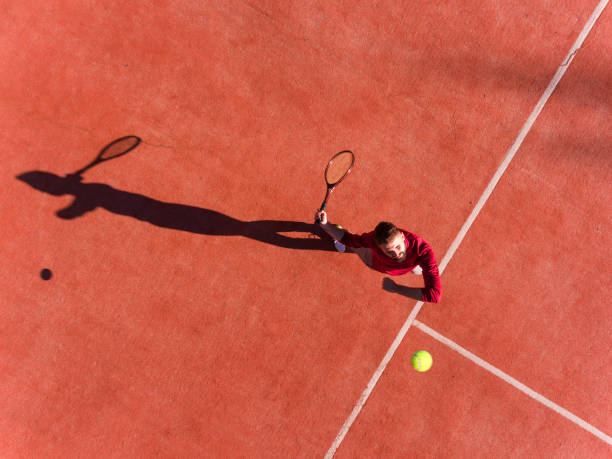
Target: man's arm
[(432, 292), (335, 232)]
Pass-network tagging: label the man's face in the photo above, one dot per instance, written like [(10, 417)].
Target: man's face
[(395, 247)]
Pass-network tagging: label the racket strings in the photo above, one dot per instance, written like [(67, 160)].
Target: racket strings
[(338, 167)]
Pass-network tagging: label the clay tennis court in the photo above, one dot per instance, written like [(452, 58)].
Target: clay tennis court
[(178, 301)]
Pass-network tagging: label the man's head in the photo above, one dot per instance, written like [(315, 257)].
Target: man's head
[(390, 240)]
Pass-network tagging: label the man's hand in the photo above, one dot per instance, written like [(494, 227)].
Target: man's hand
[(335, 231), (321, 217)]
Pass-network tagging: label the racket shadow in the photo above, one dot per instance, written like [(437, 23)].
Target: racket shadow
[(180, 217)]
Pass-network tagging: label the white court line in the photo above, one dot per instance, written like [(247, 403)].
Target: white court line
[(522, 134), (468, 223), (513, 382)]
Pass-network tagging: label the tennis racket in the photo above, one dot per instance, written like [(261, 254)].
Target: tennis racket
[(116, 148), (336, 170)]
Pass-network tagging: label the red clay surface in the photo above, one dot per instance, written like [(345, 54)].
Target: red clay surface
[(457, 409), (535, 268), (180, 322)]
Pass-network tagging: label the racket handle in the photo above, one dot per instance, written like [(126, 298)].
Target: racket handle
[(321, 209)]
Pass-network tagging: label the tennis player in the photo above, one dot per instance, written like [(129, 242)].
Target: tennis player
[(392, 251)]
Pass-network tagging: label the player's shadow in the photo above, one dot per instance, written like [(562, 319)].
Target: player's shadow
[(89, 196), (390, 285)]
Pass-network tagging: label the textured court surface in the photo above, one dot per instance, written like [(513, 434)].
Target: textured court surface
[(191, 312)]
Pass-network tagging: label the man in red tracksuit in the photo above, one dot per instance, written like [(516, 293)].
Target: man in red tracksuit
[(393, 251)]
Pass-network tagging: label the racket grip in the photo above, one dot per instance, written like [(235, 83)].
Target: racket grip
[(321, 209)]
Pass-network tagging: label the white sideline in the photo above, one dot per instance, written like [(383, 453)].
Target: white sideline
[(468, 223), (522, 134), (513, 382)]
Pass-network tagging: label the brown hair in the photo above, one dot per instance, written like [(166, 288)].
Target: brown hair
[(384, 231)]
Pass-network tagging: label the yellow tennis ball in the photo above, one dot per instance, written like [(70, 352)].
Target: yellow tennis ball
[(422, 361)]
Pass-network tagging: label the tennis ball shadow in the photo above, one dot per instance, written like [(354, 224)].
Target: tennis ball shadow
[(91, 196), (46, 274)]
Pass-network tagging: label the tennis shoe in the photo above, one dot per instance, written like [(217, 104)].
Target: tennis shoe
[(340, 247)]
